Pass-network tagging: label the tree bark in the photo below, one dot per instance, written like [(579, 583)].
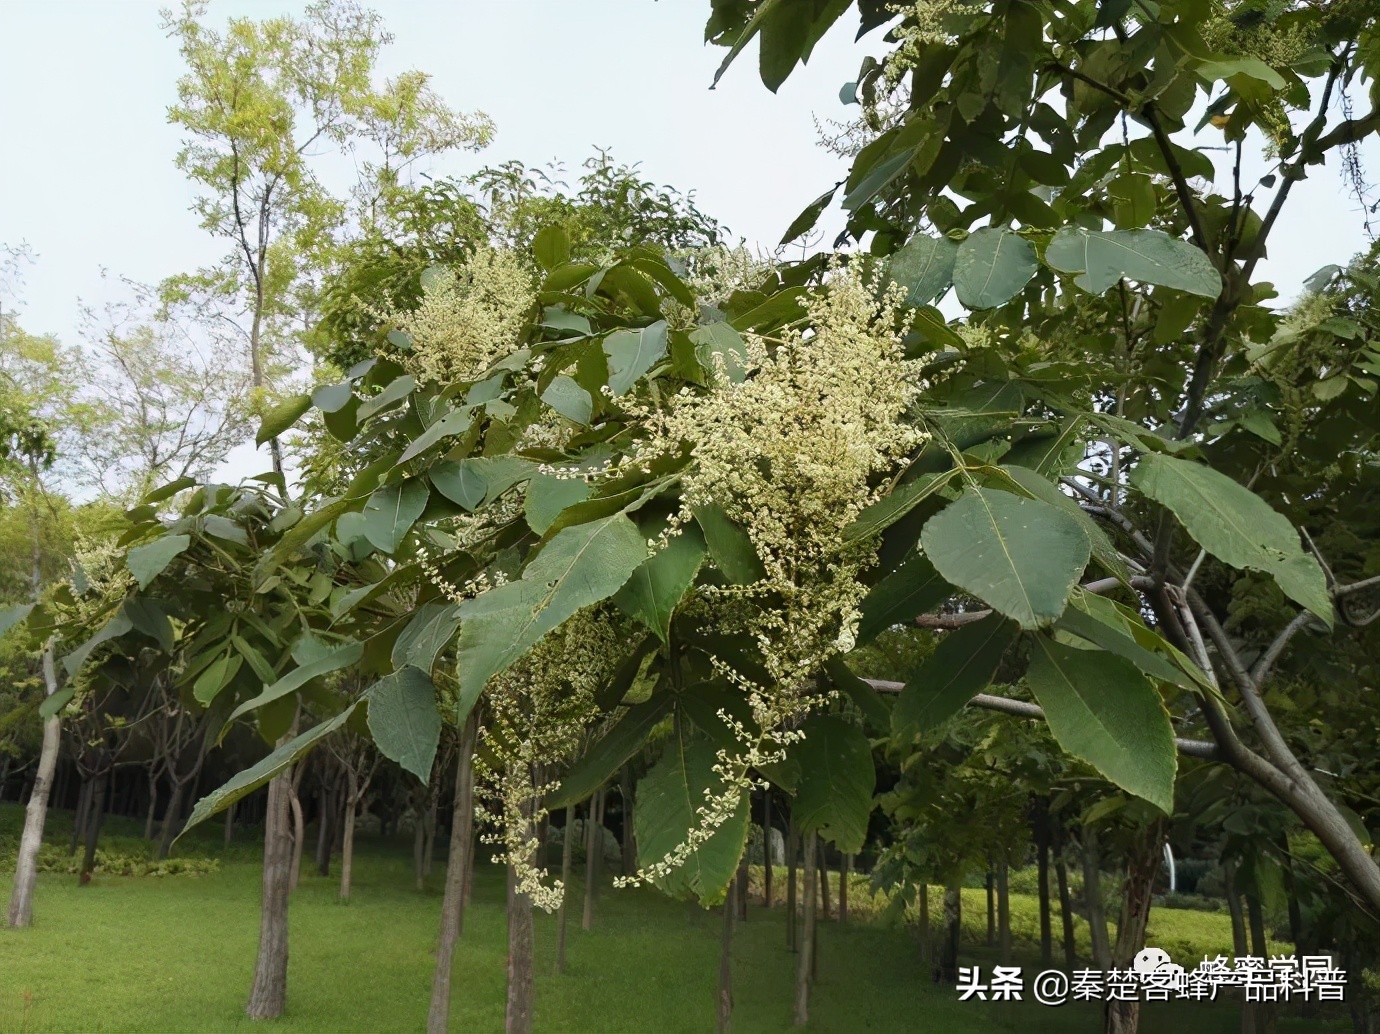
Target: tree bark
[(347, 845), (453, 901), (1265, 1014), (299, 836), (21, 910), (1142, 865), (1046, 926), (79, 819), (567, 860), (924, 910), (95, 818), (801, 1012), (521, 988), (1092, 901), (594, 844), (792, 924), (953, 930), (1061, 875), (741, 893), (1003, 911), (767, 858), (991, 885), (823, 881), (844, 873), (268, 994), (724, 1019), (171, 820), (153, 807)]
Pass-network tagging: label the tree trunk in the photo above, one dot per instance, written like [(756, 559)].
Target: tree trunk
[(1042, 882), (801, 1014), (567, 859), (153, 807), (1003, 912), (925, 924), (347, 843), (1092, 901), (1142, 865), (453, 901), (823, 882), (724, 1020), (1061, 875), (991, 885), (325, 819), (521, 989), (230, 823), (844, 873), (953, 930), (418, 850), (593, 848), (21, 910), (268, 995), (767, 858), (1264, 1011), (429, 847), (741, 894), (171, 820), (792, 940), (299, 836), (95, 818), (79, 819), (629, 845)]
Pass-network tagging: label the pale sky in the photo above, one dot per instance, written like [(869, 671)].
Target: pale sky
[(88, 181)]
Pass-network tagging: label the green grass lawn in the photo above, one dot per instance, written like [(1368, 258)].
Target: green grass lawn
[(176, 953)]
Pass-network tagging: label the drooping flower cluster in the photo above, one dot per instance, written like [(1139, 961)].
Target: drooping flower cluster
[(467, 317)]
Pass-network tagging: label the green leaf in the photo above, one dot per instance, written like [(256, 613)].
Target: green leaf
[(924, 267), (729, 545), (1046, 491), (147, 562), (551, 247), (668, 799), (548, 496), (340, 657), (1101, 623), (246, 782), (806, 220), (149, 617), (864, 697), (11, 616), (608, 754), (403, 720), (1101, 709), (1021, 557), (580, 565), (1236, 526), (567, 398), (216, 677), (882, 173), (1221, 68), (720, 339), (991, 266), (391, 511), (395, 392), (962, 666), (631, 353), (655, 588), (281, 417), (891, 508), (837, 778), (457, 421), (914, 587), (53, 704), (331, 397), (431, 629), (462, 483), (1151, 256)]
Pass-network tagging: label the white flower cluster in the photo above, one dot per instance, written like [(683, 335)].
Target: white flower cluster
[(467, 318)]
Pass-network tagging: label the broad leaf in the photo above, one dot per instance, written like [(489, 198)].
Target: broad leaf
[(148, 561), (913, 588), (1150, 256), (337, 658), (548, 495), (403, 720), (962, 666), (1236, 526), (631, 353), (991, 266), (1022, 557), (567, 398), (391, 511), (431, 629), (657, 586), (1101, 709), (580, 565), (729, 545), (837, 778), (11, 616), (281, 417), (924, 267), (668, 801), (611, 751)]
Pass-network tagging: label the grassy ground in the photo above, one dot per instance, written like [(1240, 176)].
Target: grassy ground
[(176, 954)]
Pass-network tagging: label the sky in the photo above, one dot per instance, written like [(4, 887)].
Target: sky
[(88, 180)]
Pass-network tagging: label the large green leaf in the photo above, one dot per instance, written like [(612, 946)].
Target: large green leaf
[(1046, 491), (891, 508), (147, 562), (339, 657), (962, 666), (567, 398), (479, 479), (608, 754), (1020, 556), (631, 353), (657, 586), (991, 266), (668, 799), (1235, 525), (582, 564), (246, 782), (729, 545), (431, 629), (403, 720), (924, 267), (281, 417), (548, 495), (837, 778), (913, 588), (11, 616), (1101, 709), (1103, 623), (117, 626), (391, 511), (1103, 257)]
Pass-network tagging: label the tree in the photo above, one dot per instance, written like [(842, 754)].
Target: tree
[(258, 102)]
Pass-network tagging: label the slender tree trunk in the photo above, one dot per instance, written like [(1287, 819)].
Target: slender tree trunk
[(767, 859), (418, 850), (429, 847), (1092, 901), (953, 930), (268, 995), (171, 820), (991, 884), (79, 819), (347, 844), (230, 823), (567, 858), (1004, 911), (925, 925), (801, 1014), (823, 882), (593, 847), (792, 922), (453, 901), (1142, 865), (299, 835), (95, 818), (629, 844), (153, 807), (724, 1024), (324, 840), (1265, 1013), (1061, 875), (844, 873), (521, 984), (741, 894), (21, 910), (1046, 926)]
